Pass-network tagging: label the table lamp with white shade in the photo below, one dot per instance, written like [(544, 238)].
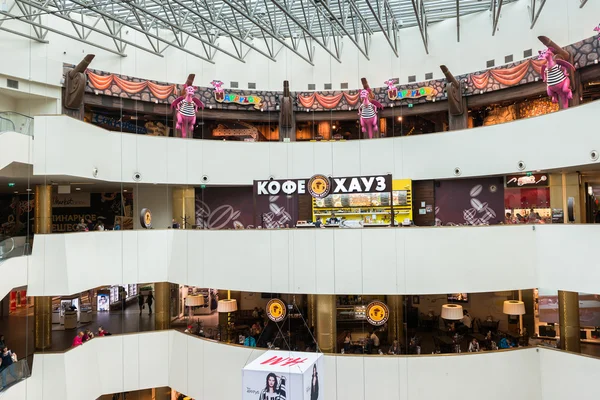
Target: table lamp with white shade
[(513, 307), (227, 306), (193, 301), (452, 312)]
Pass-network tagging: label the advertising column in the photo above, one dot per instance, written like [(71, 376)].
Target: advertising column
[(282, 375)]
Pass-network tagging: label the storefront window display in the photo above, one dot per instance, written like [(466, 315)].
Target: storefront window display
[(204, 302), (368, 209), (511, 111), (547, 315), (524, 193), (18, 299), (123, 293)]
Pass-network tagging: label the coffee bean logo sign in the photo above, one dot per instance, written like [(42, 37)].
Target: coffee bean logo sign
[(319, 186), (377, 313), (276, 310)]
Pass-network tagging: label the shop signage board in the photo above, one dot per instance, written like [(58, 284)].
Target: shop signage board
[(426, 91), (250, 100), (71, 200), (531, 180), (284, 375), (326, 185)]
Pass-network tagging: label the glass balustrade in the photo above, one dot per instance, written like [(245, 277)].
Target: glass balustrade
[(16, 122)]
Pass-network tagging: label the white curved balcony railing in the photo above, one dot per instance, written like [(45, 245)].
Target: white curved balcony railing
[(323, 261), (493, 150), (207, 370)]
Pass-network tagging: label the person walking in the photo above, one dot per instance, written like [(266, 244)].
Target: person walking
[(150, 300), (141, 302)]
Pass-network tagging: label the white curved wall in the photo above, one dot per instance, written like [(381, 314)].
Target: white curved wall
[(14, 148), (206, 370), (14, 274), (59, 140), (563, 20), (323, 261)]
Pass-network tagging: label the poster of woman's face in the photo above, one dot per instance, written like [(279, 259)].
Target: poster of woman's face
[(103, 302), (272, 387)]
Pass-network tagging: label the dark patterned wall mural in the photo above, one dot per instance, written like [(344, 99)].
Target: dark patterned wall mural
[(224, 207), (469, 202)]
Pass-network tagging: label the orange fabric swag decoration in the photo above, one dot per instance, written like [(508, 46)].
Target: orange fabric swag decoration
[(103, 82)]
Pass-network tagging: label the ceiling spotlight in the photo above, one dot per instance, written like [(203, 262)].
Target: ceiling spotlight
[(77, 188), (16, 192), (29, 190), (399, 119)]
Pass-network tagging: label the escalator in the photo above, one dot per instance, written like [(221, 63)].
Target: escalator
[(14, 247)]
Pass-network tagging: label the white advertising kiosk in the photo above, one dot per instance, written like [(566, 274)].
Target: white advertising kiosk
[(284, 375)]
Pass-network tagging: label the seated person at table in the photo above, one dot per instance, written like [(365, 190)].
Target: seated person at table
[(413, 346), (333, 219), (474, 346), (505, 343), (394, 348), (347, 341), (487, 342)]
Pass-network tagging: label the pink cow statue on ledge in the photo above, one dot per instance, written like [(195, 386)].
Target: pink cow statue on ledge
[(556, 75), (368, 113), (186, 107)]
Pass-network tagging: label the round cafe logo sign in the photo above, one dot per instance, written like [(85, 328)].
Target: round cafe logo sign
[(146, 218), (276, 310), (319, 186), (377, 313)]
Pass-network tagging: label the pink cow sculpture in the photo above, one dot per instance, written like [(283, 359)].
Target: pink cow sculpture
[(186, 107), (392, 89), (219, 92), (597, 29), (368, 113), (556, 75)]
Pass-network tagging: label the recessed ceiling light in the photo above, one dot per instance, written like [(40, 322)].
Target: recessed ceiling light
[(125, 190), (16, 192), (77, 188), (29, 190)]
